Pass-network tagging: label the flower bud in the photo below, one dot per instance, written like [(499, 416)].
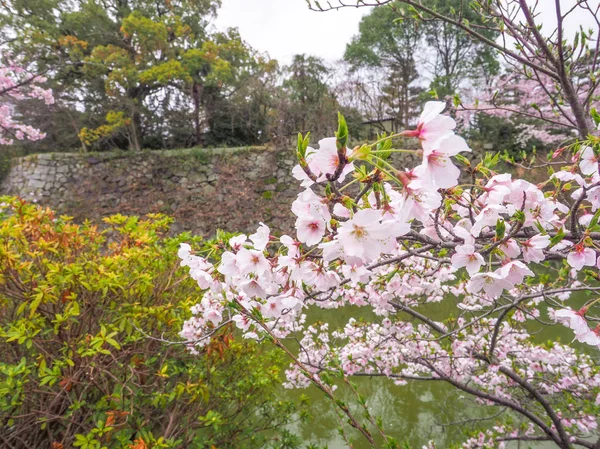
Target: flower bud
[(342, 132), (361, 153), (558, 152)]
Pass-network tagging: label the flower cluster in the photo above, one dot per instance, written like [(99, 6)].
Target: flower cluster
[(395, 241), (17, 83)]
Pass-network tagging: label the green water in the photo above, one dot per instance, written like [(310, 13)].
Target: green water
[(414, 413)]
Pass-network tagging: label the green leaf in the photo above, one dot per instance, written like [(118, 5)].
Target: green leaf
[(35, 304), (594, 220), (557, 238), (342, 132), (595, 116), (113, 343), (500, 229)]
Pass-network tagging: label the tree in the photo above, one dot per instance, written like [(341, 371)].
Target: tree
[(508, 253), (308, 99), (306, 84), (458, 57), (536, 54), (525, 103), (391, 38), (120, 52), (159, 52), (137, 74), (18, 83), (383, 44), (243, 113)]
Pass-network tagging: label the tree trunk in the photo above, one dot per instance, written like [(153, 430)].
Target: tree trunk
[(581, 115), (136, 97), (196, 95), (136, 131)]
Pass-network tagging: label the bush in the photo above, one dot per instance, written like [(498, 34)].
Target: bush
[(82, 315)]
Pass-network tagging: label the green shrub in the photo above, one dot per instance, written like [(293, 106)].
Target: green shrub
[(82, 313)]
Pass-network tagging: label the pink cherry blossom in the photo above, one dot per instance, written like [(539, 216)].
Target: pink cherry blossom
[(309, 203), (492, 283), (214, 316), (261, 237), (588, 161), (237, 242), (591, 338), (488, 216), (241, 322), (365, 237), (574, 320), (431, 125), (510, 248), (437, 167), (356, 273), (515, 271), (532, 248), (466, 256), (252, 261), (184, 253), (293, 247), (254, 288), (581, 256), (326, 160), (17, 83), (310, 230), (229, 264)]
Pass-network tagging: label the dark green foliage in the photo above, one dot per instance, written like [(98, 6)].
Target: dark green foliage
[(503, 134)]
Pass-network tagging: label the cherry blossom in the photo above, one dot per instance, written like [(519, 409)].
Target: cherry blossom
[(493, 283), (581, 256), (393, 248), (432, 125), (326, 160), (588, 161), (17, 82), (261, 237), (515, 271), (310, 230), (365, 237), (574, 320), (466, 256), (532, 248), (437, 166)]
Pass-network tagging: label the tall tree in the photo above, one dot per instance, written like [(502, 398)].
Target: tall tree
[(119, 50), (243, 112), (218, 69), (387, 45), (515, 30), (408, 53), (311, 102), (458, 57)]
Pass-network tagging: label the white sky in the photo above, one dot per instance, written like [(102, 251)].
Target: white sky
[(284, 28)]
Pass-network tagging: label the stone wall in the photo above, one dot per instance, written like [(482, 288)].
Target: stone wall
[(230, 189)]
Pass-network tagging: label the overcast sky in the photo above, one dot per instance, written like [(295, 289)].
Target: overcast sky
[(284, 28)]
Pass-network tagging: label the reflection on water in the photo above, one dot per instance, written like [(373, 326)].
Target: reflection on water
[(414, 413)]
